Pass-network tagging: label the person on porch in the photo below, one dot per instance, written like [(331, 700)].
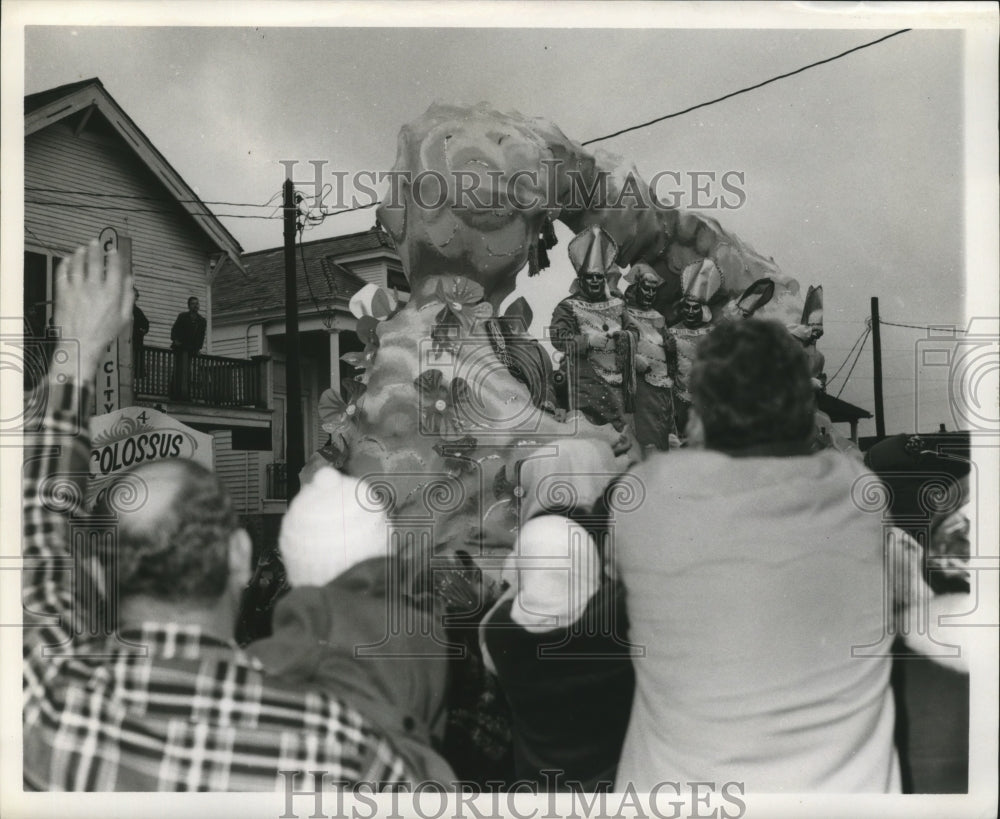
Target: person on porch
[(187, 337)]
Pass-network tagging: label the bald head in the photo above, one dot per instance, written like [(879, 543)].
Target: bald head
[(175, 522)]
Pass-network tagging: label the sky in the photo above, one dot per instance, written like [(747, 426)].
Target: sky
[(854, 171)]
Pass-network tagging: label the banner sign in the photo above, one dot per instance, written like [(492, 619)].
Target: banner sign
[(136, 435)]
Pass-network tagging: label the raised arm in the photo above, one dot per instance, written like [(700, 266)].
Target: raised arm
[(92, 307)]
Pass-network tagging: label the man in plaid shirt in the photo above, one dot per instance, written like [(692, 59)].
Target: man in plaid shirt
[(160, 698)]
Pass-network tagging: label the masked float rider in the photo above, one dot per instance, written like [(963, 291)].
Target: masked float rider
[(594, 331), (808, 331), (655, 361), (700, 281)]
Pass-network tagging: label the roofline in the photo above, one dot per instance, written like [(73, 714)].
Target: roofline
[(327, 239), (228, 317), (95, 94)]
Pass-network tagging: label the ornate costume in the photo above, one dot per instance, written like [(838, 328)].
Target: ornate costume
[(593, 329), (655, 362), (701, 280)]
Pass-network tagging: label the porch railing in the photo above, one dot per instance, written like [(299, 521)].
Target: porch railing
[(275, 478), (201, 379)]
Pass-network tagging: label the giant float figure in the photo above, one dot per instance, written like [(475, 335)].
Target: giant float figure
[(442, 421)]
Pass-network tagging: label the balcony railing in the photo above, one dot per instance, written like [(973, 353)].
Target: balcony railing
[(202, 379), (275, 480)]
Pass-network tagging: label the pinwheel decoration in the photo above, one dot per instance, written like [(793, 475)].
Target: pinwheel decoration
[(440, 402), (371, 305), (337, 415)]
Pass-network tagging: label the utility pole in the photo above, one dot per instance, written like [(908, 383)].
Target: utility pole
[(877, 356), (295, 447)]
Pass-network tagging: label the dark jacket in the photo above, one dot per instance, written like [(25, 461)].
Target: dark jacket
[(569, 691), (188, 332), (338, 638)]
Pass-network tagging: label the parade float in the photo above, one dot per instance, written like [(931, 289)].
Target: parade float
[(454, 399)]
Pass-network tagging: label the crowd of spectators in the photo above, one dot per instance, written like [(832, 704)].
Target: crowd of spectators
[(723, 629)]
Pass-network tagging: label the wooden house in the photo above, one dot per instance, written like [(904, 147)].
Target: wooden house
[(90, 172)]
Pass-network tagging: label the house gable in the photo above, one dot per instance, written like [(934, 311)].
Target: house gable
[(170, 252), (47, 108)]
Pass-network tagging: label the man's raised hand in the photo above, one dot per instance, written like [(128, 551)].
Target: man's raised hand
[(93, 301)]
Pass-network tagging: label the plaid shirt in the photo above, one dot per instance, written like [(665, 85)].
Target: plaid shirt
[(161, 708)]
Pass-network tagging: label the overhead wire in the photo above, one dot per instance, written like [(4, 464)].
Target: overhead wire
[(746, 89), (131, 209), (925, 327), (849, 354), (147, 198), (858, 356), (325, 213)]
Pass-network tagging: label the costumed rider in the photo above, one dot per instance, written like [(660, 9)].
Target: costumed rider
[(655, 362), (753, 299), (700, 281), (808, 331), (592, 329)]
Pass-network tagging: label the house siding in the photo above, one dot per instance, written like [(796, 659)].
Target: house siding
[(238, 471), (373, 272), (236, 341), (169, 252)]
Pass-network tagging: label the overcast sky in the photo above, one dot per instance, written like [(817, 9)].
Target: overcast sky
[(853, 170)]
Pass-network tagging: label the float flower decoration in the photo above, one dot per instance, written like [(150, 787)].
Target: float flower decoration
[(371, 305), (440, 402), (463, 307), (339, 418)]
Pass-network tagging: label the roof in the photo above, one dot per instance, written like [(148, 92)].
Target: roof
[(47, 107), (839, 411), (262, 287), (32, 102)]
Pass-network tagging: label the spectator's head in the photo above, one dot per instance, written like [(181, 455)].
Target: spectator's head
[(750, 386), (179, 540), (330, 526), (193, 304)]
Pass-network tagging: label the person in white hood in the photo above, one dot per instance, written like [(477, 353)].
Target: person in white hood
[(345, 625)]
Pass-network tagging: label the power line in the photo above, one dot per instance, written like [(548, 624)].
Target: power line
[(745, 90), (328, 318), (858, 356), (131, 209), (149, 198), (42, 242), (847, 357), (925, 327)]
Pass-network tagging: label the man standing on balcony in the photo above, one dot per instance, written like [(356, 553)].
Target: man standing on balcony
[(140, 326), (187, 337)]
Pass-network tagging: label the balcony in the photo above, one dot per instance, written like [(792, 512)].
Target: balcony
[(208, 380)]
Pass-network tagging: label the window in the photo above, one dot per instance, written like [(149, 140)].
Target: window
[(39, 274), (397, 280)]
